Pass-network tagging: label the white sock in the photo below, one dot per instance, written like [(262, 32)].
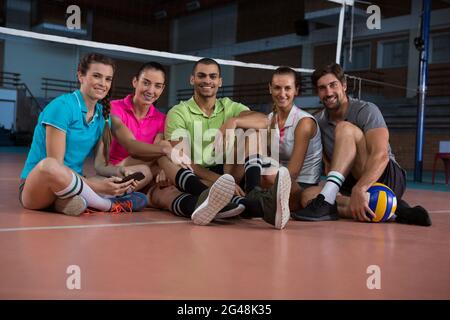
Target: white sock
[(71, 190), (78, 187), (332, 186)]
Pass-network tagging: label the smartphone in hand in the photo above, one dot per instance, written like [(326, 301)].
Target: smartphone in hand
[(138, 176)]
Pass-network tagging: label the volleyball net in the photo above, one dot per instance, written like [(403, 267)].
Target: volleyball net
[(46, 64)]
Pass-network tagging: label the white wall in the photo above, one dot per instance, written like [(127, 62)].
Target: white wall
[(35, 59)]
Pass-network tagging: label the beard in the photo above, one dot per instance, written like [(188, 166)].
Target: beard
[(206, 94), (335, 106)]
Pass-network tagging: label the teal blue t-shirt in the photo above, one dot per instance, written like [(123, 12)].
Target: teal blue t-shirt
[(68, 114)]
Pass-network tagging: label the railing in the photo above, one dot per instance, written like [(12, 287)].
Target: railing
[(253, 93), (49, 85), (8, 79), (235, 92), (379, 83), (398, 115), (54, 87), (12, 79), (372, 86), (31, 96)]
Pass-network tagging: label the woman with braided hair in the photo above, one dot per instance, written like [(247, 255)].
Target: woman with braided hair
[(68, 129)]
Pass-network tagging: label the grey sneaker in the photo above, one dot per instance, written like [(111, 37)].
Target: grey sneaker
[(275, 201), (73, 206), (214, 199), (230, 210)]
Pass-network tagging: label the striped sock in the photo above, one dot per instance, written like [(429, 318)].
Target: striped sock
[(253, 168), (332, 186), (78, 187), (238, 200), (252, 208), (184, 205), (73, 189), (187, 181)]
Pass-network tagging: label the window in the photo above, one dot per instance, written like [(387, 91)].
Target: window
[(440, 48), (360, 57), (393, 53)]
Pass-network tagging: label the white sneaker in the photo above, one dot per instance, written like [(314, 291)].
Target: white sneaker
[(73, 206), (283, 192), (214, 199)]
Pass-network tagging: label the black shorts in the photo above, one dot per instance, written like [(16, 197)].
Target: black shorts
[(218, 168), (393, 176), (304, 186)]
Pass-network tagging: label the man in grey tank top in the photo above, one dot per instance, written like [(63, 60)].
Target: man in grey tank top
[(357, 154)]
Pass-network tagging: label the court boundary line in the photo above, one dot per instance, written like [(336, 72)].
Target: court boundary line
[(440, 211), (130, 224), (88, 226)]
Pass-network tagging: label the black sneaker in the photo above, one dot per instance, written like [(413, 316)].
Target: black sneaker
[(230, 210), (317, 210), (416, 215), (275, 202)]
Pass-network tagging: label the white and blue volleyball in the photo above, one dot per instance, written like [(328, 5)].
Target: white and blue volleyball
[(382, 201)]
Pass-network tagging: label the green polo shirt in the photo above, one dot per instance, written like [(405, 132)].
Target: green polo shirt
[(187, 120)]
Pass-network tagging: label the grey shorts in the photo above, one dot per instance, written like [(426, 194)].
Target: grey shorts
[(21, 185)]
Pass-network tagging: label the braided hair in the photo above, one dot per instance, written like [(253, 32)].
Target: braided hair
[(83, 67), (106, 136), (272, 125)]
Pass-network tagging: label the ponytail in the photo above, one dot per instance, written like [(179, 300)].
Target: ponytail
[(274, 115), (107, 136), (272, 125)]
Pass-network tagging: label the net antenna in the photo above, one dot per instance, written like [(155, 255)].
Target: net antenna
[(343, 3)]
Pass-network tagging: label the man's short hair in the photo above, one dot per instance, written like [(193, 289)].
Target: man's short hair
[(332, 68), (206, 61)]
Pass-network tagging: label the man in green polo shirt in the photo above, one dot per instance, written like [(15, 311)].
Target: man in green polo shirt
[(189, 120), (197, 121)]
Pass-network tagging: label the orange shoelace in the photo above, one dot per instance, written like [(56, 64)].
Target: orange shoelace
[(119, 207)]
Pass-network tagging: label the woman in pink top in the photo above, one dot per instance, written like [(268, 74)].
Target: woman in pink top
[(137, 112)]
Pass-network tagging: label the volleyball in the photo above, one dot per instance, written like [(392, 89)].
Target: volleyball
[(382, 201)]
